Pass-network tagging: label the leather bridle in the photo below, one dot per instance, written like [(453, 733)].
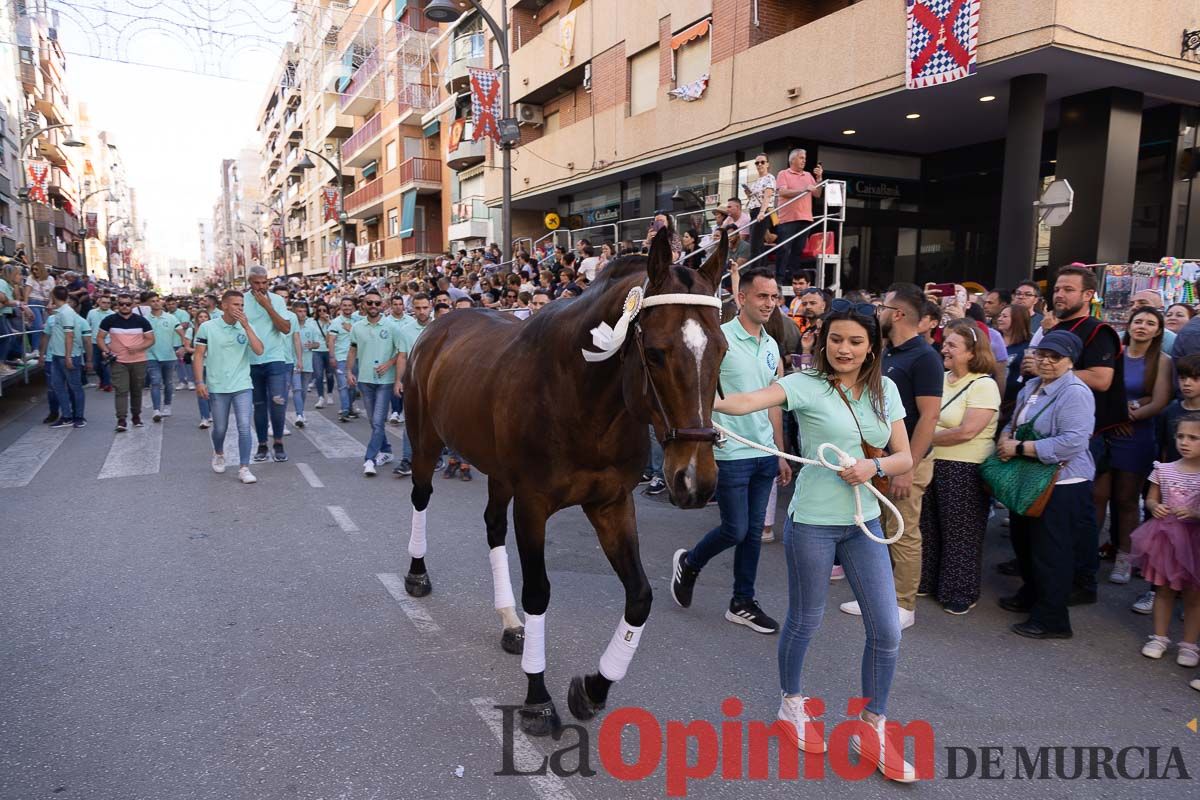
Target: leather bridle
[(709, 434)]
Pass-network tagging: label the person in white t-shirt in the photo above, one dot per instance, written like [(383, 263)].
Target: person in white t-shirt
[(589, 264)]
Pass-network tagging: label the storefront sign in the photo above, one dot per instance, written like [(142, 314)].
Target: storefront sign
[(600, 216), (873, 187)]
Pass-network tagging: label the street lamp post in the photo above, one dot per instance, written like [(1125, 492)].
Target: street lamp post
[(25, 142), (342, 218), (449, 11)]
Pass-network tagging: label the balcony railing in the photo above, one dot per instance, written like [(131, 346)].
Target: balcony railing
[(361, 77), (367, 194), (423, 240), (416, 97), (425, 170), (469, 45), (470, 208), (366, 133)]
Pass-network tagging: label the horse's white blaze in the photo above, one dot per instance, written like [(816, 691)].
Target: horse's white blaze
[(696, 341)]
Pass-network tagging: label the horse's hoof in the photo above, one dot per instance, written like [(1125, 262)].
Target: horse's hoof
[(417, 585), (513, 640), (582, 706), (540, 719)]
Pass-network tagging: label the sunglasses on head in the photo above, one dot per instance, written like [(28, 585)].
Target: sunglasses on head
[(841, 305), (811, 290)]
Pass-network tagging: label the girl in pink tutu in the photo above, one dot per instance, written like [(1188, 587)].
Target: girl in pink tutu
[(1167, 548)]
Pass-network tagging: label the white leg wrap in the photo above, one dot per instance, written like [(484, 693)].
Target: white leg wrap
[(416, 541), (501, 584), (619, 652), (533, 658)]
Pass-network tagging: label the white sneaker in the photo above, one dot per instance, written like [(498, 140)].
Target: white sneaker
[(320, 403), (768, 534), (246, 476), (907, 618), (300, 421), (383, 458), (191, 386), (1123, 570), (894, 768), (166, 411), (369, 468), (791, 710), (1187, 655), (329, 399), (851, 608), (393, 418), (286, 430), (1156, 646), (205, 423), (1144, 603), (157, 416), (218, 463), (180, 386)]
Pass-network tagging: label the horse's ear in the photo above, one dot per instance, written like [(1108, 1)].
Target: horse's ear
[(658, 261), (711, 268)]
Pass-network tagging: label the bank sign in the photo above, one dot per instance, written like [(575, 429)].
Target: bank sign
[(865, 187)]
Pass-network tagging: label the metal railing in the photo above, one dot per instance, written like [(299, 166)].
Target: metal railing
[(469, 45), (25, 367), (369, 130)]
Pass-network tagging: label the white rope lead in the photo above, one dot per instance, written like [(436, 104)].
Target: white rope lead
[(844, 460)]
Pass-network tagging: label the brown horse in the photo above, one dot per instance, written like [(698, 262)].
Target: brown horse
[(518, 400)]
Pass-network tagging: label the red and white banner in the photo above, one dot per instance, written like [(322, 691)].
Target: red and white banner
[(91, 223), (485, 103), (943, 36), (277, 235), (330, 195), (39, 175)]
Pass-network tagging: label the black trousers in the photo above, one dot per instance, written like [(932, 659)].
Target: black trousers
[(757, 231), (1047, 549)]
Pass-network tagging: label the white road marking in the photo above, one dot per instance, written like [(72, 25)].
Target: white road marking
[(526, 757), (138, 452), (329, 438), (21, 460), (310, 476), (412, 609), (696, 341), (342, 519)]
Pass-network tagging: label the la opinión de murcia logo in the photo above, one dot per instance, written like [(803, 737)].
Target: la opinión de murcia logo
[(734, 749)]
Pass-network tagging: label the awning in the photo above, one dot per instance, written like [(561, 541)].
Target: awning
[(691, 32), (431, 129), (408, 213)]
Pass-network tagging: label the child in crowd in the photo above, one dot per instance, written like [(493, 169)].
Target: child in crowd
[(1167, 547)]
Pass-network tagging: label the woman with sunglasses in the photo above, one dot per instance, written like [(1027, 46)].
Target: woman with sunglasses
[(844, 399), (761, 199)]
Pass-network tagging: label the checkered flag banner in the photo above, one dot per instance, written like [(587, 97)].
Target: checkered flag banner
[(485, 103), (943, 36)]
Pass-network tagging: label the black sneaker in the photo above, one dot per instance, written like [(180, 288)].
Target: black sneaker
[(343, 416), (657, 486), (352, 414), (403, 469), (646, 478), (957, 608), (81, 423), (137, 422), (683, 579), (50, 419), (279, 454), (61, 422), (1010, 568), (262, 453), (121, 426), (747, 612)]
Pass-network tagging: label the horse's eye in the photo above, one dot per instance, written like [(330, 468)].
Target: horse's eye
[(655, 356)]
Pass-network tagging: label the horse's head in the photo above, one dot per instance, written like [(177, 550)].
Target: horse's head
[(675, 369)]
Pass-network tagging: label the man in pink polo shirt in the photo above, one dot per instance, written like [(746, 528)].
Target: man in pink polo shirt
[(795, 217)]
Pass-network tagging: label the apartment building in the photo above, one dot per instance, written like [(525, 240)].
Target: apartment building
[(12, 216), (941, 180), (235, 236)]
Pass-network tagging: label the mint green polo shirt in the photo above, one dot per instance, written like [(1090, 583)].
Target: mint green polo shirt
[(749, 365), (163, 326), (272, 340), (7, 291), (60, 321), (185, 319), (412, 331), (821, 497), (340, 327), (95, 317), (310, 332), (375, 344), (82, 329), (226, 355), (289, 351)]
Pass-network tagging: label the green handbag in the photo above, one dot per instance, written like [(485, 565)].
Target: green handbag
[(1023, 485)]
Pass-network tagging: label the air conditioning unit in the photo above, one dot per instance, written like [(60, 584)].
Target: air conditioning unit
[(587, 77), (529, 114)]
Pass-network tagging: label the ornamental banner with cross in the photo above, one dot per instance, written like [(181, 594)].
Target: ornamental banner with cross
[(485, 103), (330, 195), (943, 36), (277, 235), (39, 174), (90, 222)]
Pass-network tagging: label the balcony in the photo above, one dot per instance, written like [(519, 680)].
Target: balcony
[(31, 78), (365, 145), (52, 103), (292, 126), (470, 218), (60, 184), (423, 174), (362, 92), (365, 201), (374, 253), (337, 126), (468, 154), (468, 51), (413, 100), (424, 242)]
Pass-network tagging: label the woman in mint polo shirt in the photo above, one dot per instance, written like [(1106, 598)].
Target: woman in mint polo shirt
[(843, 399)]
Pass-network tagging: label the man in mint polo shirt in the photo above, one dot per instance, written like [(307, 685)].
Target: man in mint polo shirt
[(64, 343), (375, 353), (267, 313), (744, 475), (161, 369), (224, 347), (183, 377), (338, 341), (412, 328)]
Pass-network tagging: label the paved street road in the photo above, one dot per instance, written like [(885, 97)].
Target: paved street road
[(169, 633)]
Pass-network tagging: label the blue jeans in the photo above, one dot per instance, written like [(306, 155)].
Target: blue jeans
[(321, 373), (39, 318), (375, 399), (162, 382), (100, 363), (270, 397), (655, 463), (397, 403), (68, 386), (343, 387), (10, 346), (299, 390), (243, 405), (810, 552), (743, 488), (183, 372), (205, 405)]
